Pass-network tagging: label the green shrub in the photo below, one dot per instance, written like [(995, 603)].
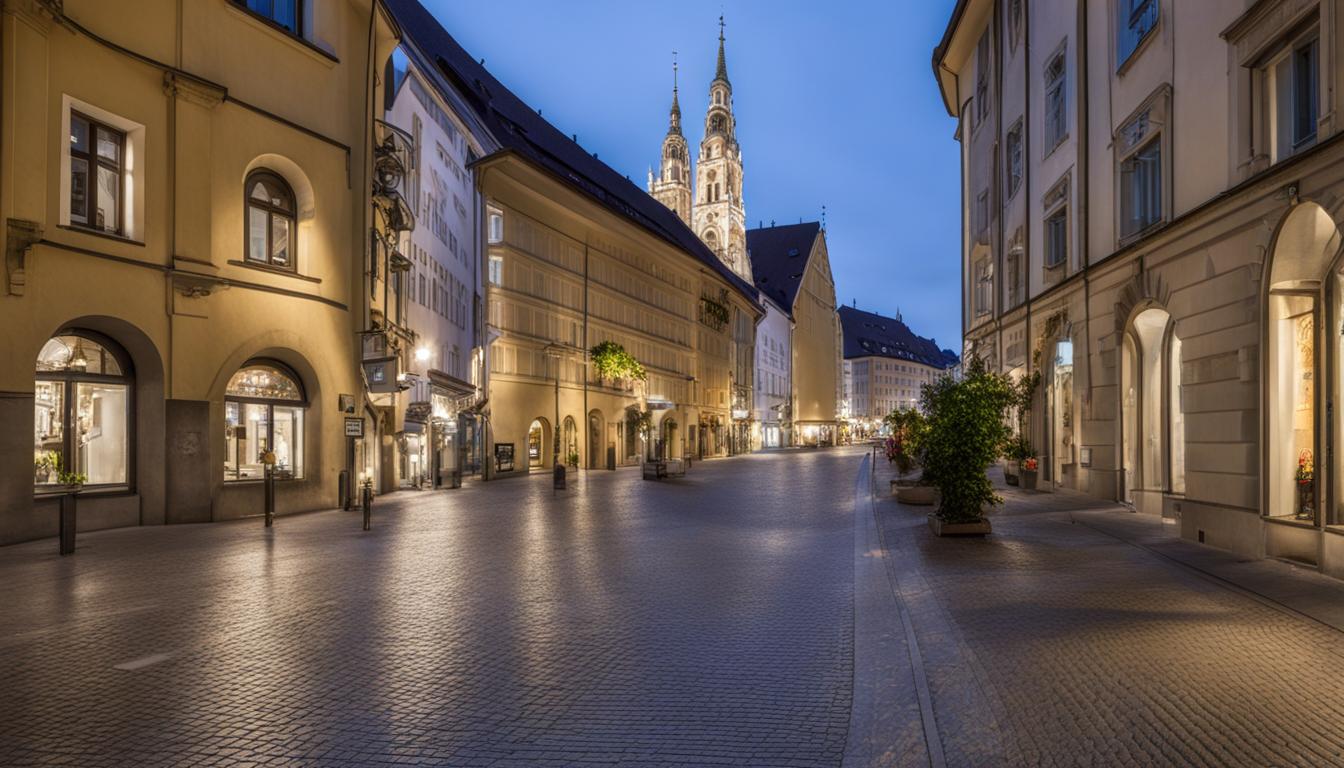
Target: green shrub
[(611, 361), (967, 430)]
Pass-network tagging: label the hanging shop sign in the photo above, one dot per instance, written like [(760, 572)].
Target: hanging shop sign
[(381, 374)]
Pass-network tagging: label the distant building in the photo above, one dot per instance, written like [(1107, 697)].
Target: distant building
[(797, 344), (442, 297), (886, 364), (576, 255)]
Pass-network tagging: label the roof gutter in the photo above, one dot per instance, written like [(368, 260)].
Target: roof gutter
[(940, 53)]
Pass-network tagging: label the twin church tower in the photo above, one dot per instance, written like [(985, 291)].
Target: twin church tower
[(712, 208)]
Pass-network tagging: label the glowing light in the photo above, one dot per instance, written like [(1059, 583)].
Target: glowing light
[(422, 354)]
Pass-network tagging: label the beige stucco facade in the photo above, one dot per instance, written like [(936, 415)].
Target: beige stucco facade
[(569, 274), (197, 98), (1188, 339), (815, 347)]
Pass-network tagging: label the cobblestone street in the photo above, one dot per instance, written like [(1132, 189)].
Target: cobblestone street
[(700, 621), (716, 620), (1063, 640)]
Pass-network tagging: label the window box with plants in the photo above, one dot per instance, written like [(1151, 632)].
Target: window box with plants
[(612, 363)]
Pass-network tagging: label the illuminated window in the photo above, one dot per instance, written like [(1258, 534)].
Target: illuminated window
[(264, 408), (82, 412)]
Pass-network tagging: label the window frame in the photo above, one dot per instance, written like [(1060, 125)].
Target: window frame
[(1055, 128), (1144, 128), (494, 215), (983, 299), (269, 19), (303, 403), (1014, 157), (69, 382), (1126, 21), (93, 162), (272, 211)]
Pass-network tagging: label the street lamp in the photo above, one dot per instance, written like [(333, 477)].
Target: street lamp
[(553, 352)]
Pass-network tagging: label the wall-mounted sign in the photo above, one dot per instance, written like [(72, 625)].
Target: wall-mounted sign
[(346, 403), (1085, 456), (504, 457), (381, 375), (740, 414), (354, 427)]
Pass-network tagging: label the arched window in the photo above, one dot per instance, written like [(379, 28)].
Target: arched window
[(82, 412), (270, 221), (263, 411)]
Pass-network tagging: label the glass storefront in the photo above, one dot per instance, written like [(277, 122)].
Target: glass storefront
[(82, 413), (263, 412)]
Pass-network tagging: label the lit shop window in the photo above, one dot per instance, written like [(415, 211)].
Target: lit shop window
[(264, 406), (82, 405)]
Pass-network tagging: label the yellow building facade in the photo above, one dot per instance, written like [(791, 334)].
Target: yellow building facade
[(186, 241)]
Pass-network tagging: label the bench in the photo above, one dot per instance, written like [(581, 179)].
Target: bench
[(664, 468)]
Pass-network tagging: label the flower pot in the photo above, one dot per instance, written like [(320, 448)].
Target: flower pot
[(919, 495), (1028, 479), (980, 527), (1010, 472)]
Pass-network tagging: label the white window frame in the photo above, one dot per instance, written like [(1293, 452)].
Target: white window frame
[(1276, 108), (1056, 123), (1145, 128), (133, 170), (495, 221), (496, 275), (983, 288)]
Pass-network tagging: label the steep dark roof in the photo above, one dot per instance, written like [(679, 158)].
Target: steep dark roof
[(779, 259), (518, 127), (872, 335)]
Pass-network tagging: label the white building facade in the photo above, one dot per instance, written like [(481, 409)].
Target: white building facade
[(439, 437), (1151, 202), (774, 379)]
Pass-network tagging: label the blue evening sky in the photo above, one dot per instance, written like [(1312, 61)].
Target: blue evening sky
[(836, 106)]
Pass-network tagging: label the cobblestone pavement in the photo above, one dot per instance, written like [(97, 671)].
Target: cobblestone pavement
[(1051, 643), (705, 621)]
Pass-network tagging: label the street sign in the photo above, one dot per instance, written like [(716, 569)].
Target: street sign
[(354, 427)]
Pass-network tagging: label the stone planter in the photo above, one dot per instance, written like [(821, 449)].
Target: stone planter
[(1028, 479), (919, 495), (1010, 472), (979, 528)]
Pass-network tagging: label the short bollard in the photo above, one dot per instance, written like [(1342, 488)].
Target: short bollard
[(558, 477), (269, 483), (68, 502), (343, 489), (366, 501)]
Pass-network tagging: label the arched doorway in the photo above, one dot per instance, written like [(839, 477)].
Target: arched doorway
[(597, 453), (537, 441), (634, 440), (83, 412), (1302, 291), (668, 448), (1153, 422), (570, 442)]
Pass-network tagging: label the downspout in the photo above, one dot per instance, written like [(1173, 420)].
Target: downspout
[(587, 424), (1084, 194)]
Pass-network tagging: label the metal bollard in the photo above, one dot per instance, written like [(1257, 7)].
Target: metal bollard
[(68, 502), (366, 501), (269, 484), (343, 489), (558, 477)]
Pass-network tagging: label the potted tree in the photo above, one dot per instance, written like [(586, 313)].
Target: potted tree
[(968, 428)]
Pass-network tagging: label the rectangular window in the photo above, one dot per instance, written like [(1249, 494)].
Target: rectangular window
[(1141, 189), (282, 13), (1136, 19), (1057, 238), (982, 212), (496, 226), (1056, 127), (96, 174), (1014, 155), (984, 286), (1291, 83), (496, 270), (982, 79)]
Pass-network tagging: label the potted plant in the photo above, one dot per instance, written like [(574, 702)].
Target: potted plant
[(1029, 466), (44, 464), (967, 430), (611, 361), (573, 459), (1305, 476), (1016, 452)]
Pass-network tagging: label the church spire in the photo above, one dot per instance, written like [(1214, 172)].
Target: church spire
[(721, 72), (674, 118)]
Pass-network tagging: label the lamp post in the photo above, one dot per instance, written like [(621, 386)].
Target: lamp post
[(553, 352)]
